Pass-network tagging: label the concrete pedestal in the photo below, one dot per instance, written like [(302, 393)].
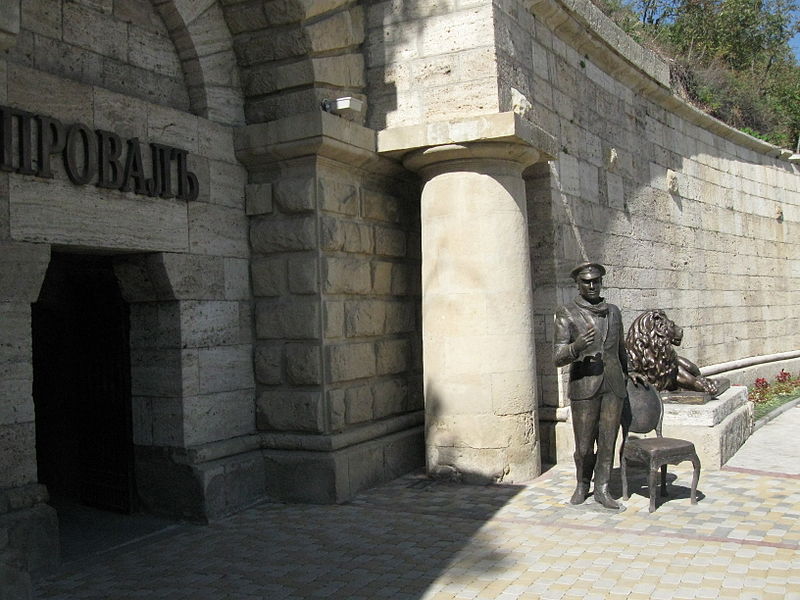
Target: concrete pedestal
[(717, 428)]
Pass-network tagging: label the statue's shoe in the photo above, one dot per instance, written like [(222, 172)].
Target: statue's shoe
[(580, 494), (602, 496)]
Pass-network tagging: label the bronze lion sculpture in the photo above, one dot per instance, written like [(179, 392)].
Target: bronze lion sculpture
[(650, 342)]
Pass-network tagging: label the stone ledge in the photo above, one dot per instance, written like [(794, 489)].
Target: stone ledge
[(709, 414), (337, 476), (298, 441), (583, 26), (315, 133), (501, 127)]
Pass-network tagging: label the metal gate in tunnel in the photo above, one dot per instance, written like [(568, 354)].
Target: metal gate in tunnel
[(81, 384)]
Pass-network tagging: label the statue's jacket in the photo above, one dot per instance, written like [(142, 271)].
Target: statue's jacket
[(605, 359)]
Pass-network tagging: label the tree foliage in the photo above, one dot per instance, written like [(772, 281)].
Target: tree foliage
[(730, 57)]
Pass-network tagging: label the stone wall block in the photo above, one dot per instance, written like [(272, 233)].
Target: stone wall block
[(209, 32), (41, 17), (258, 198), (248, 16), (122, 114), (405, 280), (237, 278), (365, 318), (269, 276), (227, 184), (209, 323), (392, 356), (359, 404), (345, 70), (381, 278), (268, 363), (95, 31), (268, 45), (226, 368), (215, 140), (295, 194), (380, 207), (18, 448), (174, 127), (296, 318), (69, 105), (281, 235), (340, 30), (195, 277), (390, 242), (220, 416), (284, 410), (390, 397), (347, 276), (346, 236), (167, 373), (54, 56), (153, 52), (346, 362), (269, 77), (92, 217), (154, 87), (5, 217), (337, 196), (303, 364), (304, 274), (401, 317), (199, 165), (334, 319), (155, 325), (16, 389), (217, 230), (338, 409), (22, 269)]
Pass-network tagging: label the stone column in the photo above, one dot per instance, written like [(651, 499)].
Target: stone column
[(478, 350), (28, 526)]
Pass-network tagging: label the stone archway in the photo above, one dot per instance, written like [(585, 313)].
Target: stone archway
[(205, 48)]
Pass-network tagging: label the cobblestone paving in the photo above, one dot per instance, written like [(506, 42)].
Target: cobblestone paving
[(417, 539)]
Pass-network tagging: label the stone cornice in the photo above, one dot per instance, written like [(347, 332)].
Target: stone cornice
[(315, 133), (586, 29), (507, 127)]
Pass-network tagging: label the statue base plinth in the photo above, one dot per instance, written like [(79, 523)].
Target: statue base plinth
[(689, 397), (718, 428)]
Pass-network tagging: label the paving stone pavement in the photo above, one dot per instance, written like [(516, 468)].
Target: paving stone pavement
[(418, 539)]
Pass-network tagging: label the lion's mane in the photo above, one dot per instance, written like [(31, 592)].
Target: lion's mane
[(650, 352)]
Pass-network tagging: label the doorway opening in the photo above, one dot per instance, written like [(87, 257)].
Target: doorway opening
[(81, 384)]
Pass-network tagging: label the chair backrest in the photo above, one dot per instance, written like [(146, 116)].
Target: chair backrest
[(643, 410)]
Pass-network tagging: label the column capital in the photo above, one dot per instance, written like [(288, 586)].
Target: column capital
[(504, 136), (475, 156)]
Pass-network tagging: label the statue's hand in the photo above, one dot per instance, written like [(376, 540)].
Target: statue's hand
[(584, 340), (638, 379)]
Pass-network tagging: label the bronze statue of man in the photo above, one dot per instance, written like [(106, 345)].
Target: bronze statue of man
[(589, 336)]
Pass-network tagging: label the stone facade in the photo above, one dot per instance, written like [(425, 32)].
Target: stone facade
[(336, 268)]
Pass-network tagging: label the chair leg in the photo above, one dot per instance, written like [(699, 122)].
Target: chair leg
[(652, 486), (695, 477), (623, 471), (663, 480)]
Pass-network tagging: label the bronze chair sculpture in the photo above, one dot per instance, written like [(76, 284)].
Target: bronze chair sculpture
[(643, 412)]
